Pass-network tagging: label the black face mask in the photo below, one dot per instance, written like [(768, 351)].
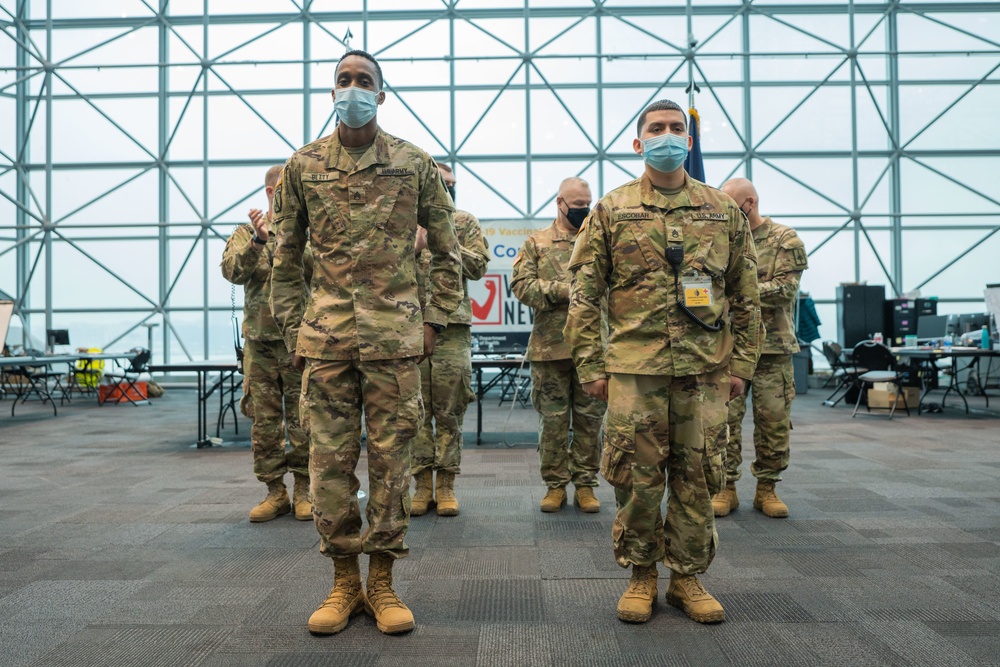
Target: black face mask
[(451, 191), (576, 216)]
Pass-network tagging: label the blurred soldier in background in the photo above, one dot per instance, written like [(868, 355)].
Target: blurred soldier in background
[(446, 375), (781, 259), (271, 385), (541, 280)]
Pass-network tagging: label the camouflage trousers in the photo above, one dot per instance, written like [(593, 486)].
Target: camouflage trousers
[(772, 391), (662, 432), (270, 381), (561, 402), (446, 384), (334, 395)]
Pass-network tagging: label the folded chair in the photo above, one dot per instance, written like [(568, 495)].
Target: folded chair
[(845, 374), (880, 359), (34, 380), (129, 375)]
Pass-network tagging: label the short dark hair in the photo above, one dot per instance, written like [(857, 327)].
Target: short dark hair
[(442, 165), (658, 105), (367, 56)]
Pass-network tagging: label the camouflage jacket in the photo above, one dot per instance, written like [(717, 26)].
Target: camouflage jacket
[(248, 264), (475, 256), (361, 221), (540, 280), (781, 259), (621, 252)]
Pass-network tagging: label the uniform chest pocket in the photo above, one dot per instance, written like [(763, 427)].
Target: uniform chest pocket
[(394, 203), (633, 254), (326, 217), (551, 263), (712, 254)]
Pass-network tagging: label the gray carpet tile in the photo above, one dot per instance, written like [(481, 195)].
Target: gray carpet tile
[(122, 545)]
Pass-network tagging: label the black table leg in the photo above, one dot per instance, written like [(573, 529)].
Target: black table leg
[(479, 406)]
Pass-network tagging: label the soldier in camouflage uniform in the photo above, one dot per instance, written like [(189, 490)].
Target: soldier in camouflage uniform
[(541, 281), (358, 196), (781, 259), (446, 375), (269, 379), (677, 263)]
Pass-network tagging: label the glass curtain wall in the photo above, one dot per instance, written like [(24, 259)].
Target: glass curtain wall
[(136, 133)]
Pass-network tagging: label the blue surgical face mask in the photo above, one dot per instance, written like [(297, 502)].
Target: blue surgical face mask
[(355, 106), (665, 152)]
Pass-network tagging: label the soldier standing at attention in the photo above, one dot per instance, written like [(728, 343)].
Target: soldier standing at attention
[(541, 280), (358, 196), (268, 375), (446, 375), (677, 263), (781, 259)]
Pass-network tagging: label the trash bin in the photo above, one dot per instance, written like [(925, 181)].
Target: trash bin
[(800, 368)]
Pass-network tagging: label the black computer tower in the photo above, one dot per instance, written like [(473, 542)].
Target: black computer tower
[(860, 313), (901, 317)]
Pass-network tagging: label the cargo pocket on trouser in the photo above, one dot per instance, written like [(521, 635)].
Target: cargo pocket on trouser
[(618, 454), (410, 412), (246, 403), (303, 404), (714, 460), (470, 396)]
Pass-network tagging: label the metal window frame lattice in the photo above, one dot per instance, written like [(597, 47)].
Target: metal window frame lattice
[(33, 78)]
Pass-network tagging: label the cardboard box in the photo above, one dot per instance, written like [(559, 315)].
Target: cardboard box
[(883, 395), (121, 393)]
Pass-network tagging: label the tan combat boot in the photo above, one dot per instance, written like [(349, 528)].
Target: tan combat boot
[(725, 501), (554, 499), (687, 594), (301, 498), (447, 503), (586, 501), (768, 502), (423, 495), (346, 598), (391, 615), (275, 504), (636, 603)]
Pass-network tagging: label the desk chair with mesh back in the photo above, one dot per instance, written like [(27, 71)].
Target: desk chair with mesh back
[(882, 363), (129, 374), (845, 374), (34, 380)]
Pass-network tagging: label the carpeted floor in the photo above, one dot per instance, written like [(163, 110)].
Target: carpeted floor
[(121, 545)]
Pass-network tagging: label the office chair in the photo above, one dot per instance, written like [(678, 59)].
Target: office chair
[(844, 373), (128, 376), (879, 358)]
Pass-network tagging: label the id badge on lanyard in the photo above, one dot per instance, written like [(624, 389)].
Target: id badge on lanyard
[(697, 291)]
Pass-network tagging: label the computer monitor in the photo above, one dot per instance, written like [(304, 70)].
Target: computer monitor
[(972, 322), (932, 327), (57, 337)]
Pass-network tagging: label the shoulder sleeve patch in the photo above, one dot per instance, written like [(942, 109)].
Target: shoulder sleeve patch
[(799, 259), (278, 198)]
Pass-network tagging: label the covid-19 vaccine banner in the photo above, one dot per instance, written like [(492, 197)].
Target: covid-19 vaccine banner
[(500, 322)]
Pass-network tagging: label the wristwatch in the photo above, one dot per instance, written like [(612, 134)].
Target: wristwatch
[(258, 240), (438, 328)]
